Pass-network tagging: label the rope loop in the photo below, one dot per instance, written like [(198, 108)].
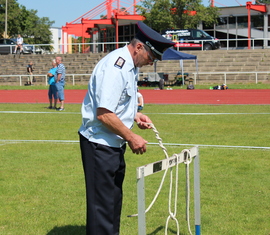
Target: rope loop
[(187, 161)]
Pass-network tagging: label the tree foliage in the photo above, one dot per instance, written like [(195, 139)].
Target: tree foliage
[(263, 1), (33, 29), (163, 14)]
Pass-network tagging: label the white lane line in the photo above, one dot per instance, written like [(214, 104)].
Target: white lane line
[(35, 112), (32, 112), (169, 144)]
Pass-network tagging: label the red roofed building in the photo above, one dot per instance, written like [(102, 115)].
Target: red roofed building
[(117, 25)]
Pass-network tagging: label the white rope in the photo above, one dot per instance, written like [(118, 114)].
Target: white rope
[(159, 139), (172, 214), (165, 172)]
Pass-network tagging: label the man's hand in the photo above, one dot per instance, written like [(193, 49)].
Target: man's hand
[(137, 144), (143, 121), (115, 125)]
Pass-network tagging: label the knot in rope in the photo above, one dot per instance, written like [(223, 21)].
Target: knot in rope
[(187, 156), (160, 143)]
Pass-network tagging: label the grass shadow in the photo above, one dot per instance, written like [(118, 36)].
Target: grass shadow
[(157, 230), (68, 230)]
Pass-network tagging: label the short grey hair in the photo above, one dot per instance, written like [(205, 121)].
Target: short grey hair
[(134, 41)]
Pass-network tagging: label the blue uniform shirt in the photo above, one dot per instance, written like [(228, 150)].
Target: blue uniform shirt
[(113, 86)]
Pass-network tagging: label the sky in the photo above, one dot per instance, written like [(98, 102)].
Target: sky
[(65, 11)]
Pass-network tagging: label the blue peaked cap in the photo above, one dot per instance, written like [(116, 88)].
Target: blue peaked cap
[(157, 43)]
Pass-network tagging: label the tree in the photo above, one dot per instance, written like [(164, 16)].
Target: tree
[(157, 13), (184, 19), (33, 29), (263, 1), (13, 19), (163, 14)]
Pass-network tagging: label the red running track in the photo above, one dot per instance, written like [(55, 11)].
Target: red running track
[(177, 96)]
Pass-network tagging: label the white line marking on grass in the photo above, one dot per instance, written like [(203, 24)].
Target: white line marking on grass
[(48, 141), (169, 144), (33, 112), (16, 112), (209, 113), (2, 144), (218, 146)]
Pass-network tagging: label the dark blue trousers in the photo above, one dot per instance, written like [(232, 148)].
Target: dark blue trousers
[(104, 169)]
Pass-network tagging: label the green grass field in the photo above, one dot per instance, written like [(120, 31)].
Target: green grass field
[(42, 182)]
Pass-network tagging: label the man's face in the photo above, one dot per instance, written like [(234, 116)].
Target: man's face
[(144, 56), (57, 60)]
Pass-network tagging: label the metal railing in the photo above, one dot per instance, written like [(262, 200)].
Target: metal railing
[(72, 77), (252, 42), (196, 75), (44, 78), (21, 77), (227, 73), (98, 47)]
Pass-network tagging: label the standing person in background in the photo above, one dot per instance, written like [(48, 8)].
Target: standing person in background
[(30, 69), (60, 81), (52, 93), (140, 101), (109, 110), (19, 44)]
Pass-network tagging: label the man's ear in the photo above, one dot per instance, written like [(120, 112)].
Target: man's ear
[(139, 46)]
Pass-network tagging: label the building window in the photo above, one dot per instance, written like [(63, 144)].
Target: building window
[(242, 22), (232, 22), (257, 21), (222, 23)]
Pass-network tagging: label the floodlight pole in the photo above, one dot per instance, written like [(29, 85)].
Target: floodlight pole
[(5, 36)]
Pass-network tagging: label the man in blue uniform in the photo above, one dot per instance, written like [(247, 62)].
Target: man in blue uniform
[(108, 111)]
